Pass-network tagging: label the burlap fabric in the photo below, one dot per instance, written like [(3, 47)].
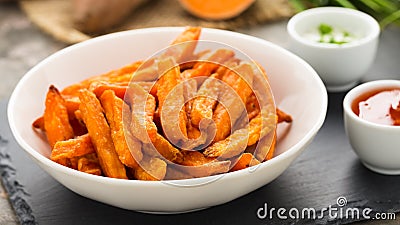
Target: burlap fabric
[(54, 17)]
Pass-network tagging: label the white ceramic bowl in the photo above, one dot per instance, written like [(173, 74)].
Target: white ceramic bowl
[(296, 86), (339, 66), (377, 145)]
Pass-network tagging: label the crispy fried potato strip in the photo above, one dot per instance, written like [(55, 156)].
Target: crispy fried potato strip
[(283, 117), (145, 120), (143, 106), (169, 89), (163, 147), (207, 169), (100, 134), (68, 149), (151, 169), (72, 103), (184, 45), (39, 123), (208, 65), (206, 100), (261, 125), (195, 158), (89, 164), (56, 121), (98, 88), (123, 74), (113, 107), (229, 147), (240, 79), (173, 173), (266, 147), (245, 160)]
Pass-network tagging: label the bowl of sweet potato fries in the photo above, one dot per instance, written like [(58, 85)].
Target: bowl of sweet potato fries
[(156, 119)]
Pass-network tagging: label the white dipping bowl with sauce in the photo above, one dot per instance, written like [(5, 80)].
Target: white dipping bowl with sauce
[(377, 145), (340, 66)]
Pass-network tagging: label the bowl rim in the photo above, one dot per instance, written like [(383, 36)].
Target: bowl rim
[(298, 18), (231, 175), (361, 89)]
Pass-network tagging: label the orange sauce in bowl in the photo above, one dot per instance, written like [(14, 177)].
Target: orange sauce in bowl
[(379, 106)]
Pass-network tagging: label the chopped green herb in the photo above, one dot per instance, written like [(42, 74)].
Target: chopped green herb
[(330, 35), (325, 29)]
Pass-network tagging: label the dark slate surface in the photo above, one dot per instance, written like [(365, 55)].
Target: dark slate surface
[(327, 170)]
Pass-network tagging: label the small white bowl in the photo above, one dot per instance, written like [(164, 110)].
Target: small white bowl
[(377, 145), (339, 66), (296, 87)]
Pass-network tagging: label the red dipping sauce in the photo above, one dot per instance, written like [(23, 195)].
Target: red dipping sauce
[(379, 106)]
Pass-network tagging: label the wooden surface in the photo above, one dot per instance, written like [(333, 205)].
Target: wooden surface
[(326, 170)]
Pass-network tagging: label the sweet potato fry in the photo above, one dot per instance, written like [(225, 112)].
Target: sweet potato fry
[(170, 77), (259, 126), (193, 132), (170, 90), (195, 158), (144, 120), (98, 88), (89, 164), (189, 34), (73, 89), (123, 74), (189, 92), (208, 65), (151, 169), (181, 50), (56, 121), (115, 75), (77, 124), (194, 135), (146, 73), (75, 147), (113, 107), (146, 85), (265, 147), (245, 160), (100, 135), (223, 117), (252, 110), (227, 66), (252, 106), (283, 117), (39, 123), (222, 120), (208, 169), (206, 100), (183, 46), (163, 148), (143, 107), (271, 151), (229, 147), (72, 103), (173, 173)]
